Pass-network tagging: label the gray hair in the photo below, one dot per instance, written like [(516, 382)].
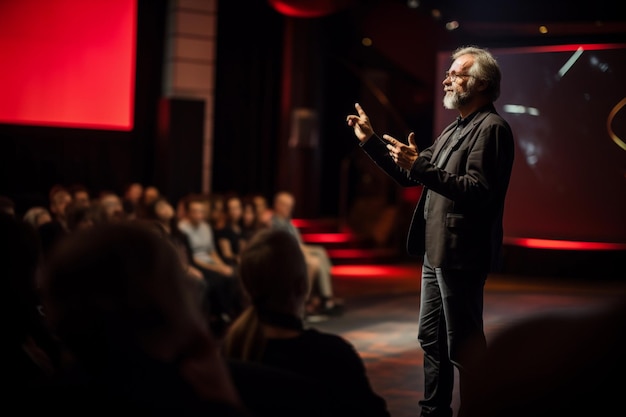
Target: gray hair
[(485, 68)]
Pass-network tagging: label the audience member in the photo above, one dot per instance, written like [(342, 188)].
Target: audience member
[(131, 199), (109, 208), (161, 213), (119, 301), (263, 210), (250, 223), (271, 331), (215, 291), (7, 205), (201, 236), (80, 195), (222, 278), (36, 216), (266, 391), (150, 193), (561, 364), (30, 354), (50, 233), (80, 216), (318, 262), (229, 237), (216, 212), (59, 198)]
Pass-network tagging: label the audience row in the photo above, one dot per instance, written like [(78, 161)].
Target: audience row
[(123, 311)]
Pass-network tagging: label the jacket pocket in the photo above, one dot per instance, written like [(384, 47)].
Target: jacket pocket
[(455, 220)]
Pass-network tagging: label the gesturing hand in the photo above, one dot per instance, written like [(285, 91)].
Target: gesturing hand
[(402, 154), (360, 123)]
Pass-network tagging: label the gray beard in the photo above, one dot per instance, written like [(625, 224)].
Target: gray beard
[(455, 100)]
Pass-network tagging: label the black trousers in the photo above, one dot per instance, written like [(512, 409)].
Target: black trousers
[(450, 331)]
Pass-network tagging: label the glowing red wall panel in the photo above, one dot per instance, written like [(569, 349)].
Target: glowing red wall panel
[(68, 63)]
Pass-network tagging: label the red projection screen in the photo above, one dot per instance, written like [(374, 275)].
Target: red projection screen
[(567, 107), (68, 63)]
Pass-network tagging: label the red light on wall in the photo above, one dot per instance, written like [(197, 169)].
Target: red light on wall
[(328, 237), (387, 272), (563, 244), (68, 63), (308, 8)]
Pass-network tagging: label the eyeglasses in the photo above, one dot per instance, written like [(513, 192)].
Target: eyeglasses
[(453, 76)]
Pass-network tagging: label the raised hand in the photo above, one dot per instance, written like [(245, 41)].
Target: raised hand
[(360, 123), (402, 154)]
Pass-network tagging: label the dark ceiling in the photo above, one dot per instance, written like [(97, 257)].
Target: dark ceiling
[(486, 18), (530, 11)]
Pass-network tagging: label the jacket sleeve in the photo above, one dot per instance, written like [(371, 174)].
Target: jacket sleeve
[(480, 169), (376, 149)]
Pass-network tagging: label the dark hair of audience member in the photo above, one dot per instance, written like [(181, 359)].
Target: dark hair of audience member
[(128, 301), (7, 205), (270, 330), (118, 299), (50, 234), (80, 216), (31, 354), (274, 275)]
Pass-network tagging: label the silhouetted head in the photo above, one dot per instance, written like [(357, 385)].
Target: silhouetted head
[(273, 272), (19, 260), (7, 205), (118, 290)]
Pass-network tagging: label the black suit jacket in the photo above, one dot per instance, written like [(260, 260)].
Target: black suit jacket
[(463, 229)]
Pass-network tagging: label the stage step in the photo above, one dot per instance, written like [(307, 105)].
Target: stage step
[(343, 246)]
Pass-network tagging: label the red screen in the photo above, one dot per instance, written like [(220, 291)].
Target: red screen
[(68, 63)]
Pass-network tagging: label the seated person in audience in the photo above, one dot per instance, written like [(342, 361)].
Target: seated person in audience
[(229, 237), (201, 237), (80, 216), (131, 199), (224, 285), (7, 205), (128, 316), (80, 195), (150, 193), (250, 223), (216, 212), (31, 355), (558, 364), (161, 213), (36, 216), (318, 262), (109, 208), (271, 330), (59, 199), (51, 232), (215, 292), (262, 209)]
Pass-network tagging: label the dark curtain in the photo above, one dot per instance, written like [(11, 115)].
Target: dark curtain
[(247, 98)]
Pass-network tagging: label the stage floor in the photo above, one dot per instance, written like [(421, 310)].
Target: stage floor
[(381, 318)]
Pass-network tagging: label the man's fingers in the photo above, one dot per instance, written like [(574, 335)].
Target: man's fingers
[(359, 109), (391, 140), (412, 139)]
